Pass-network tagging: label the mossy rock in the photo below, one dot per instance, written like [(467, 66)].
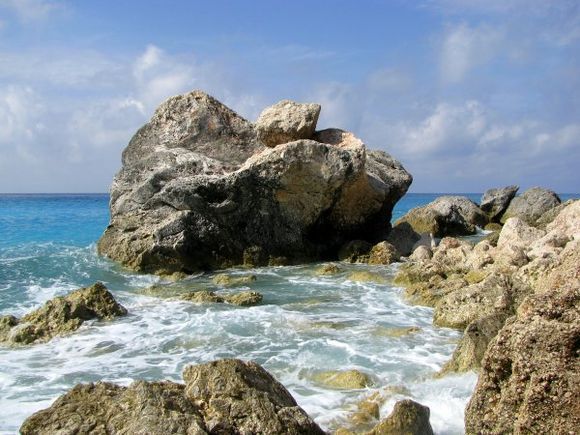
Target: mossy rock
[(202, 297), (244, 299), (493, 226), (475, 276)]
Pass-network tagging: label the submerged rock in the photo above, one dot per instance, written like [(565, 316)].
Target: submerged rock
[(61, 315), (531, 205), (408, 418), (446, 216), (328, 269), (198, 190), (221, 397), (495, 202), (202, 297), (287, 121), (366, 276), (343, 379), (225, 280)]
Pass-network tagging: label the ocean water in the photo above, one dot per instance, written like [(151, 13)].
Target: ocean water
[(306, 323)]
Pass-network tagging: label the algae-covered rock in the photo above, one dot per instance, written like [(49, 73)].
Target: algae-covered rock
[(225, 280), (493, 226), (328, 269), (61, 315), (343, 379), (383, 253), (202, 297), (366, 276), (244, 299), (408, 418)]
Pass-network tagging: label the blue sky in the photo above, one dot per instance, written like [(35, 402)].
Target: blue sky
[(466, 94)]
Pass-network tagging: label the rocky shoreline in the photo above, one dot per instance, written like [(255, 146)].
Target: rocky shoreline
[(202, 188)]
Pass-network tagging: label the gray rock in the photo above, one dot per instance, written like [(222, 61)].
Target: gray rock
[(408, 418), (531, 205), (546, 218), (287, 121), (403, 237), (495, 202), (446, 216), (198, 191), (222, 397)]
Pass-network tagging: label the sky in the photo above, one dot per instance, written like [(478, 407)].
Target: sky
[(466, 94)]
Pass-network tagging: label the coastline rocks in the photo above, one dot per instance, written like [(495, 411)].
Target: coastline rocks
[(225, 396), (61, 315), (531, 371), (244, 299), (383, 253), (421, 253), (531, 205), (495, 202), (197, 191), (287, 121), (225, 280), (408, 418), (343, 379), (446, 216)]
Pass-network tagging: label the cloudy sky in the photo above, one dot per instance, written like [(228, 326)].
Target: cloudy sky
[(467, 94)]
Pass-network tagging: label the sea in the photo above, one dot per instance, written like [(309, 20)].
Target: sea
[(306, 324)]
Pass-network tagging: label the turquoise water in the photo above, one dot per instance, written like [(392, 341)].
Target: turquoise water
[(307, 323)]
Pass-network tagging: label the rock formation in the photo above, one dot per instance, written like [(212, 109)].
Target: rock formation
[(287, 121), (61, 315), (198, 190), (531, 204), (408, 418), (221, 397), (495, 202)]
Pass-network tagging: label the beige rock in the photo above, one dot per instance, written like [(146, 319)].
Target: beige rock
[(421, 253), (226, 280), (408, 418), (343, 379), (383, 253), (328, 269), (202, 297), (244, 299), (287, 121), (366, 276)]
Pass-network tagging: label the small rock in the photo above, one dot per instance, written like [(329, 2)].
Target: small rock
[(244, 299), (226, 280), (343, 379), (202, 297), (421, 253), (383, 253), (328, 269), (408, 418), (365, 276)]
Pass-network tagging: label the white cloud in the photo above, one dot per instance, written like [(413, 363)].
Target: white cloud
[(30, 11), (465, 47)]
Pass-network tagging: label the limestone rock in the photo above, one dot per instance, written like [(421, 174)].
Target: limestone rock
[(61, 315), (242, 397), (198, 191), (202, 297), (287, 121), (343, 379), (551, 214), (531, 371), (495, 202), (221, 397), (383, 253), (421, 253), (244, 299), (446, 216), (403, 237), (532, 204), (408, 418)]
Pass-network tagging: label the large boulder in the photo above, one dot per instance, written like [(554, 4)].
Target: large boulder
[(198, 190), (531, 205), (287, 121), (495, 202), (531, 370), (221, 397), (61, 315), (446, 216)]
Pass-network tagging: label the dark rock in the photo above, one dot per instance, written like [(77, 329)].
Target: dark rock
[(403, 237), (197, 190), (531, 205), (354, 250), (495, 202), (408, 418)]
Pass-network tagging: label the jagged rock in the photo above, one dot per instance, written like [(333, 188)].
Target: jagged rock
[(354, 251), (472, 346), (221, 397), (408, 418), (328, 269), (242, 397), (446, 216), (343, 379), (403, 237), (532, 204), (383, 253), (244, 299), (202, 297), (531, 370), (495, 202), (421, 253), (287, 121), (225, 280), (546, 218), (61, 315), (197, 190), (516, 232)]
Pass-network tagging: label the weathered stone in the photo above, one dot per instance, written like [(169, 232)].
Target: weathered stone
[(531, 370), (532, 204), (493, 226), (287, 121), (354, 251), (202, 297), (421, 253), (343, 379), (61, 315), (446, 216), (384, 331), (244, 299), (403, 237), (408, 418), (383, 253), (495, 202), (225, 280), (546, 218), (242, 397), (198, 191), (328, 269)]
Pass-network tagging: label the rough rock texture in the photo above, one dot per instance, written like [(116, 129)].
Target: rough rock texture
[(421, 253), (531, 371), (225, 280), (242, 397), (61, 315), (202, 297), (495, 202), (446, 216), (354, 250), (287, 121), (343, 379), (383, 253), (408, 418), (244, 299), (197, 190), (221, 397), (531, 205), (546, 218), (403, 237)]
